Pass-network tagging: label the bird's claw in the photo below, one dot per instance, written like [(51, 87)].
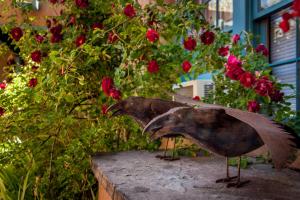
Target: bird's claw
[(225, 180), (160, 156), (168, 158), (237, 184)]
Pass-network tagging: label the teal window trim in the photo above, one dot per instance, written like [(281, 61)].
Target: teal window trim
[(297, 65), (262, 13), (284, 62), (259, 15)]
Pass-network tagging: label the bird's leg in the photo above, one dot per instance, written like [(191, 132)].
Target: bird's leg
[(165, 152), (173, 153), (228, 178), (238, 183)]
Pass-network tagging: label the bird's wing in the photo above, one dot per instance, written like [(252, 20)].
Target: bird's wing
[(162, 117), (162, 133), (277, 140)]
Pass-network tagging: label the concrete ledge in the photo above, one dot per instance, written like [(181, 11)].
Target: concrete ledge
[(138, 175)]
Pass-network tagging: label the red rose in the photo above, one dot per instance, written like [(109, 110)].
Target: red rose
[(112, 37), (276, 95), (2, 111), (234, 68), (263, 86), (207, 37), (53, 1), (107, 84), (104, 109), (253, 106), (34, 68), (196, 98), (3, 85), (16, 33), (190, 43), (56, 38), (115, 94), (235, 73), (186, 66), (56, 29), (296, 8), (152, 35), (284, 25), (32, 82), (80, 40), (97, 25), (153, 67), (82, 3), (223, 51), (233, 62), (36, 56), (235, 38), (287, 16), (56, 33), (129, 11), (262, 49), (247, 79), (39, 38)]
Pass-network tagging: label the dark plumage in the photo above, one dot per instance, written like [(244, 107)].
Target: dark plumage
[(225, 131), (211, 129), (143, 110)]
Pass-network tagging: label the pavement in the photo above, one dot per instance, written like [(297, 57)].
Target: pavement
[(138, 175)]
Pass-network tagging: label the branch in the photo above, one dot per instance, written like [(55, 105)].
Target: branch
[(83, 100)]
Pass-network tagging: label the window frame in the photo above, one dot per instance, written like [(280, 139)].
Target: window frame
[(218, 15), (264, 17), (272, 9)]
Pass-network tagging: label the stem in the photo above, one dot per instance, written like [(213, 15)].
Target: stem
[(83, 100), (51, 159), (121, 23)]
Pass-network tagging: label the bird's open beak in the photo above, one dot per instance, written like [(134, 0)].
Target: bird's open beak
[(116, 109), (162, 131), (155, 124)]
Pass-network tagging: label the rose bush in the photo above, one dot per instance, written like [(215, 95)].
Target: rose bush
[(98, 52)]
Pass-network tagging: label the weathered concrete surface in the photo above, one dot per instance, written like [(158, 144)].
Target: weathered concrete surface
[(140, 176)]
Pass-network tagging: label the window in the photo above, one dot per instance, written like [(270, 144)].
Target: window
[(263, 4), (283, 53), (225, 14), (211, 12), (219, 13)]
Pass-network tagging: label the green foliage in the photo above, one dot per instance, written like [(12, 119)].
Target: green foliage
[(16, 178), (59, 121), (234, 162)]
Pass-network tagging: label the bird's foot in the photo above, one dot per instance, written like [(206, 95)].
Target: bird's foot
[(238, 184), (168, 158), (161, 156), (225, 180), (171, 158)]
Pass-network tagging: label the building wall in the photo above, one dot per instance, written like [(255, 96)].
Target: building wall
[(8, 12)]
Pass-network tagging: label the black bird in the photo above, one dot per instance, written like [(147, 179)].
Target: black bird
[(227, 132), (143, 110)]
